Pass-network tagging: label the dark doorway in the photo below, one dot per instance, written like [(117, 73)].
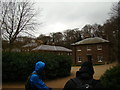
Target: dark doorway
[(89, 57)]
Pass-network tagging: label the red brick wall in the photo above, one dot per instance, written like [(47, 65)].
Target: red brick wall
[(94, 52)]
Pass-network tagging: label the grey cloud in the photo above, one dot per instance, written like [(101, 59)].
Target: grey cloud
[(75, 14)]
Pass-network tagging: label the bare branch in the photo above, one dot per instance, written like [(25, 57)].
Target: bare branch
[(17, 17)]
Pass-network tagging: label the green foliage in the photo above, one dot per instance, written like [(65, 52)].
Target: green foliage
[(111, 78), (18, 66)]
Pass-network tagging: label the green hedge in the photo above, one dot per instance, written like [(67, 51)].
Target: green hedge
[(17, 66), (111, 78)]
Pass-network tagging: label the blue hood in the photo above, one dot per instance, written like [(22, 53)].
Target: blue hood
[(39, 66)]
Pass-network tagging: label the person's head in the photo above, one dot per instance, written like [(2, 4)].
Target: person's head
[(86, 70), (39, 66), (87, 64), (89, 57)]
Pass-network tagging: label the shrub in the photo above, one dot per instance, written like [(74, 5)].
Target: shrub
[(111, 78), (18, 66)]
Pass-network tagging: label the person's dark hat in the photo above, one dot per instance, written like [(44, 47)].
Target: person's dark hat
[(86, 68)]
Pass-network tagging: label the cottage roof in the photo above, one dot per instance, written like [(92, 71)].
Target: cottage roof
[(51, 48), (30, 45), (91, 41)]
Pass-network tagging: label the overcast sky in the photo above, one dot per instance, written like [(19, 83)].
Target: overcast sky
[(59, 16)]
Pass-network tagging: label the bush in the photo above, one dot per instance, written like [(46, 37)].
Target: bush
[(111, 78), (18, 66)]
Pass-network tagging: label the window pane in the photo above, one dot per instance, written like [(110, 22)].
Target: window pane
[(78, 49), (79, 59), (100, 58), (88, 48), (99, 47)]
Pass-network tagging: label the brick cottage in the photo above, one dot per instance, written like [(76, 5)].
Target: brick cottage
[(96, 47)]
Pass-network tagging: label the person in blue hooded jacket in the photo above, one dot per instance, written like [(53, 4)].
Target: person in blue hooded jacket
[(35, 78)]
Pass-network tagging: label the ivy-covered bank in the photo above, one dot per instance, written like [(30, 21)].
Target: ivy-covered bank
[(17, 66)]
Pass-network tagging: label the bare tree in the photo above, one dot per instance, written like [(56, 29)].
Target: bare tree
[(116, 19), (115, 10), (57, 38), (87, 31), (72, 36), (112, 31), (46, 39), (15, 18)]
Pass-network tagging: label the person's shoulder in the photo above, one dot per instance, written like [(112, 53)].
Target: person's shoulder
[(70, 80), (69, 84), (94, 80), (34, 76), (97, 83)]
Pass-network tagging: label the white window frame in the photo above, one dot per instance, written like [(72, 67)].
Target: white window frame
[(68, 54), (79, 49), (59, 53), (98, 47), (79, 59), (89, 48), (100, 58)]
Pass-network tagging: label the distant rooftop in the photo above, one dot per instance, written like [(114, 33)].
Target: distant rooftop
[(91, 41), (51, 48), (30, 45)]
